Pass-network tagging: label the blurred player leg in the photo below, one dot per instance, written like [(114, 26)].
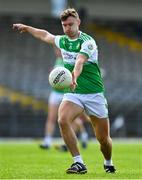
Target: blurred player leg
[(53, 105), (80, 129), (50, 126)]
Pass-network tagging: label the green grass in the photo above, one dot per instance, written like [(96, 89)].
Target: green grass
[(27, 161)]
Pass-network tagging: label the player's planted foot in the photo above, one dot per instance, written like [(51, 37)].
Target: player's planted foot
[(109, 169), (77, 168)]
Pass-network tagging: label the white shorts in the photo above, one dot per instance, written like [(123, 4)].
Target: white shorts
[(55, 98), (93, 104)]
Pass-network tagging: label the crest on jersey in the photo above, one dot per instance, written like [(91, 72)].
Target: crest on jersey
[(90, 46)]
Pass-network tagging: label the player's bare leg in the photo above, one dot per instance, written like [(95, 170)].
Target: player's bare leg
[(79, 128), (68, 111), (102, 132)]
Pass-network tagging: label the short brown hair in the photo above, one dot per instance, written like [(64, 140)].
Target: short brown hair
[(69, 12)]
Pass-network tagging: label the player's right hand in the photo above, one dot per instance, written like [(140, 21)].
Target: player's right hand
[(20, 27)]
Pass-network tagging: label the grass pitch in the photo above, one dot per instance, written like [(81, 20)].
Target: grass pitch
[(26, 161)]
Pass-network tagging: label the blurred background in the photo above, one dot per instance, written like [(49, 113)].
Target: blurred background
[(25, 62)]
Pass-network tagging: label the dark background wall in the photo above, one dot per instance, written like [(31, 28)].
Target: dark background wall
[(128, 9), (26, 62)]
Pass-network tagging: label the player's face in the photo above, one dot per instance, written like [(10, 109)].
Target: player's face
[(71, 27)]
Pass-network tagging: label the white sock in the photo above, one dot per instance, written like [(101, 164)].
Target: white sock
[(84, 137), (78, 159), (48, 140), (108, 162)]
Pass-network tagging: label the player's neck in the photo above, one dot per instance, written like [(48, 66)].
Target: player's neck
[(75, 36)]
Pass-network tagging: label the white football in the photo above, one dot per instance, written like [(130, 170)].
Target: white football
[(60, 78)]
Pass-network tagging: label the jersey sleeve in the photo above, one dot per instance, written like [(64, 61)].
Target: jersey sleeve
[(88, 48), (57, 41)]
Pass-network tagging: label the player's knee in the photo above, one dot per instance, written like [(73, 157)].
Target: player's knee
[(62, 120), (104, 140)]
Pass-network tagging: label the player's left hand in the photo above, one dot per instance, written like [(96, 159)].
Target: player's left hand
[(74, 83)]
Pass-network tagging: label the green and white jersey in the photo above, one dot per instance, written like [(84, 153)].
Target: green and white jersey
[(90, 80), (59, 62)]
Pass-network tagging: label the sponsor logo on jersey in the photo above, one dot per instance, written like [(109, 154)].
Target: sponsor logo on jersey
[(67, 55)]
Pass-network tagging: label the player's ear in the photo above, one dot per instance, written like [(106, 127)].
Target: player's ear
[(79, 21)]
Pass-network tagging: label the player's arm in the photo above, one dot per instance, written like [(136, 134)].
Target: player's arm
[(87, 49), (37, 33), (81, 59)]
